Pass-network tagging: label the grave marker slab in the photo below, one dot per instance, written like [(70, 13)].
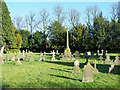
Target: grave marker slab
[(77, 54), (76, 67), (95, 69), (101, 60), (88, 73)]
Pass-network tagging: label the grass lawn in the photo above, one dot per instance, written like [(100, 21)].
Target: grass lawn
[(58, 74)]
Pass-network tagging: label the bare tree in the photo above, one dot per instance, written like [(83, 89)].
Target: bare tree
[(44, 19), (114, 12), (74, 17), (17, 22), (59, 12), (31, 22)]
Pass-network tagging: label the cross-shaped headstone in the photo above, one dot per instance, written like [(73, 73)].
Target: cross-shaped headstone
[(95, 62)]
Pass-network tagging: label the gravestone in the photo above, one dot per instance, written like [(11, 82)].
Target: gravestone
[(23, 53), (106, 52), (87, 73), (112, 66), (89, 53), (18, 62), (31, 58), (107, 60), (26, 57), (67, 52), (42, 58), (7, 57), (26, 51), (77, 54), (117, 61), (13, 57), (95, 69), (102, 51), (57, 52), (53, 56), (76, 67), (101, 60), (98, 52)]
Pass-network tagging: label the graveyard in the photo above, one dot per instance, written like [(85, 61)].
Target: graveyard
[(56, 74), (59, 48)]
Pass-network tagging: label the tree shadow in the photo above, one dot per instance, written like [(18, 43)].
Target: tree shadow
[(103, 68), (61, 70), (65, 77)]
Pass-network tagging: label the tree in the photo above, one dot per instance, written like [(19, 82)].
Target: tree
[(17, 22), (80, 38), (74, 17), (25, 36), (18, 40), (59, 13), (8, 37), (101, 32), (31, 22), (57, 36)]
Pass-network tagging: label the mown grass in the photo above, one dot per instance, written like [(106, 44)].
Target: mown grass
[(58, 74)]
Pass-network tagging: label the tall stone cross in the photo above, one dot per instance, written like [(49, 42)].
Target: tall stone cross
[(67, 36)]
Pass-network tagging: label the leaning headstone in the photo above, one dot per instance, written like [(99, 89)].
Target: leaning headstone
[(18, 62), (112, 66), (13, 57), (77, 54), (95, 69), (31, 57), (117, 61), (53, 56), (101, 60), (41, 57), (76, 67), (88, 73), (7, 57)]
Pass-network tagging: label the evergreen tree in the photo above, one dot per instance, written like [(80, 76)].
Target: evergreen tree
[(8, 36)]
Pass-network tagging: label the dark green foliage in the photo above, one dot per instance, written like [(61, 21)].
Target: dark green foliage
[(57, 36), (8, 37), (25, 36)]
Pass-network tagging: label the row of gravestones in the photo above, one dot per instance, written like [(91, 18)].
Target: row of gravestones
[(88, 70), (108, 61)]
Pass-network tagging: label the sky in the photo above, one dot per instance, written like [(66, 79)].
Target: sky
[(24, 7)]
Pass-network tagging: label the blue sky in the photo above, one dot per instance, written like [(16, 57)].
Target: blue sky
[(23, 8)]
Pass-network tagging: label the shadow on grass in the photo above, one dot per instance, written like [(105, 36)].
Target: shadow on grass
[(64, 77), (104, 68), (61, 70)]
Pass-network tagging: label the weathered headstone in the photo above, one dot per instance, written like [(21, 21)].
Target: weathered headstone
[(57, 52), (98, 52), (41, 57), (76, 67), (31, 57), (7, 57), (23, 53), (107, 60), (13, 57), (53, 56), (112, 66), (92, 54), (88, 73), (26, 57), (89, 53), (101, 60), (18, 62), (106, 52), (95, 69), (117, 61), (102, 51), (77, 54)]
